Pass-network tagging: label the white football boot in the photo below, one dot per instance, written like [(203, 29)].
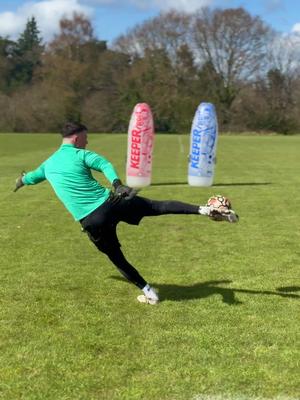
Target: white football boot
[(147, 300), (149, 297)]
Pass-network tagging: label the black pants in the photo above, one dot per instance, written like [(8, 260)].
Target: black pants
[(101, 226)]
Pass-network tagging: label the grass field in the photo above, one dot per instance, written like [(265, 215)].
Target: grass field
[(228, 325)]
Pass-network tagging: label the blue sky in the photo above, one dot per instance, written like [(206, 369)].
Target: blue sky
[(114, 17)]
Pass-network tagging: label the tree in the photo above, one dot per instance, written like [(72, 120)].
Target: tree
[(76, 40), (27, 54), (7, 49), (234, 45), (284, 55), (152, 79), (71, 61), (167, 32), (163, 70), (104, 108), (30, 39), (278, 110)]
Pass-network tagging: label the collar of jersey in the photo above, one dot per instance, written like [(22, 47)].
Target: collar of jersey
[(67, 145)]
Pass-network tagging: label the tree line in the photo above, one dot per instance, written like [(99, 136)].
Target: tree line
[(173, 62)]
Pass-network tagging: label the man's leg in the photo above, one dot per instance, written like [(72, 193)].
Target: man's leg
[(117, 257), (132, 211), (131, 274), (106, 240), (156, 207)]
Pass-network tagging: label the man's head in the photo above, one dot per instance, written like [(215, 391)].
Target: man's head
[(75, 134)]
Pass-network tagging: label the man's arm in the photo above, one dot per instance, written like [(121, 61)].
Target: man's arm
[(30, 178), (99, 163)]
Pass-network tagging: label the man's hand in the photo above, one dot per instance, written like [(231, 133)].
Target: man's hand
[(123, 191), (19, 181)]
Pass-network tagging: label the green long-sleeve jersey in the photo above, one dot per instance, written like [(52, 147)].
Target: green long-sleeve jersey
[(68, 171)]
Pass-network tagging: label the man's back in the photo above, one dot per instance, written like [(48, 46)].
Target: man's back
[(68, 171)]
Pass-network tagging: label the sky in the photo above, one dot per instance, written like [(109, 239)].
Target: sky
[(111, 18)]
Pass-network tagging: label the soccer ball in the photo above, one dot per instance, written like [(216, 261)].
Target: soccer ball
[(218, 203)]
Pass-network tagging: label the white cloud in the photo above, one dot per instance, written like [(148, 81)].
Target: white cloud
[(296, 28), (47, 13), (183, 5)]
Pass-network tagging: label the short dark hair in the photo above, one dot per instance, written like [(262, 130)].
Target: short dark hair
[(71, 127)]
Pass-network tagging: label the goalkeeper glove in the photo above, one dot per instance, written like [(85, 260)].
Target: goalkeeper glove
[(123, 191), (19, 181)]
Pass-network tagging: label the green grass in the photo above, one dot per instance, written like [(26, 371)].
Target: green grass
[(228, 325)]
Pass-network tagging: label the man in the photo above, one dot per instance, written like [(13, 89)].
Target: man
[(98, 209)]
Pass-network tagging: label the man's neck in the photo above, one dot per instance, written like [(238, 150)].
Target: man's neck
[(68, 141)]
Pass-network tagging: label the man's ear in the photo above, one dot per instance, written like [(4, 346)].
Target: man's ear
[(74, 139)]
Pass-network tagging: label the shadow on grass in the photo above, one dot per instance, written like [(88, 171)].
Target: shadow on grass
[(215, 185), (209, 288), (289, 289), (205, 289)]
